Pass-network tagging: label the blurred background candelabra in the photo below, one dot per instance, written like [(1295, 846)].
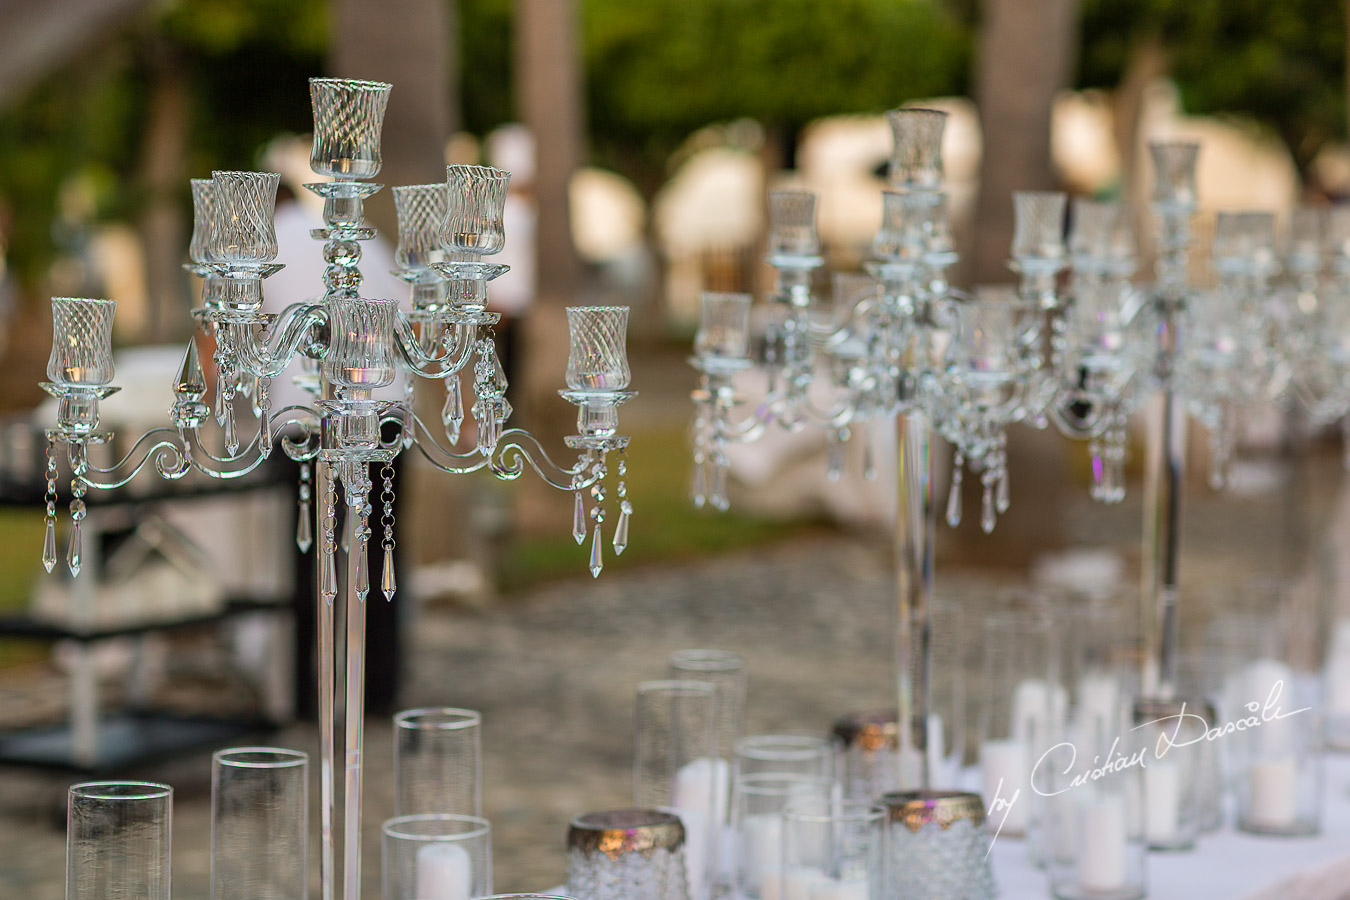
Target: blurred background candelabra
[(352, 347)]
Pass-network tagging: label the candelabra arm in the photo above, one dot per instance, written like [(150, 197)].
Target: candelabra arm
[(512, 454), (266, 354), (168, 447), (1089, 425), (457, 353)]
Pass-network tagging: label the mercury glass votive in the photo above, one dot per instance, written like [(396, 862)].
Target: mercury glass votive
[(81, 342), (792, 225), (477, 208), (438, 761), (118, 840), (597, 357), (1174, 173), (724, 326), (259, 824), (1038, 226), (422, 209), (627, 854), (937, 847), (437, 857), (361, 342), (348, 117), (243, 231), (916, 162)]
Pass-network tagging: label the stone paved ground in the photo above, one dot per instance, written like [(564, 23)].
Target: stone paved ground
[(553, 672)]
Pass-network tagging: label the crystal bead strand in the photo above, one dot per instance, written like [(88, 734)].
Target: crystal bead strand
[(328, 585), (304, 528), (954, 496), (388, 584), (625, 507), (75, 554), (49, 543), (597, 516)]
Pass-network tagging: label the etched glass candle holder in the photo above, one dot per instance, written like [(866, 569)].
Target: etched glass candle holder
[(259, 824), (597, 366), (438, 761), (626, 854), (835, 853), (243, 232), (1174, 174), (916, 163), (199, 248), (792, 228), (906, 222), (361, 344), (724, 329), (81, 342), (937, 847), (422, 211), (118, 840), (348, 118), (437, 856), (1038, 231), (477, 207)]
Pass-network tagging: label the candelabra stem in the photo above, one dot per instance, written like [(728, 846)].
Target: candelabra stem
[(323, 481), (1164, 477), (356, 677), (915, 525)]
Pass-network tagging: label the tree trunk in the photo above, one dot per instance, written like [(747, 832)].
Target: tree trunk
[(163, 230), (1027, 53)]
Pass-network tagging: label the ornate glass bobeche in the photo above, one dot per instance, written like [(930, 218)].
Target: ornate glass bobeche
[(351, 346)]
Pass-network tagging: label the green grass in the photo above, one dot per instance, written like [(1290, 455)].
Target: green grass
[(20, 562), (665, 525)]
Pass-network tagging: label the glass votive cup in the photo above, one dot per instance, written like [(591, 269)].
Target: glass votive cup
[(1279, 764), (937, 847), (1166, 734), (627, 854), (259, 824), (437, 857), (725, 671), (758, 804), (438, 761), (348, 119), (797, 754), (724, 326), (118, 840), (81, 341), (834, 853), (597, 358)]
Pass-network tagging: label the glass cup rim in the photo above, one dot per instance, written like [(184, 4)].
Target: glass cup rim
[(701, 660), (96, 301), (488, 173), (456, 718), (588, 310), (782, 747), (396, 828), (844, 811), (354, 84), (275, 757), (121, 790), (778, 784), (677, 686), (523, 897)]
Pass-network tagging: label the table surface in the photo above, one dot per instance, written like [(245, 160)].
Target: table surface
[(1228, 864)]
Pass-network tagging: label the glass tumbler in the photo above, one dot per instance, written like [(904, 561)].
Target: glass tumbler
[(1167, 734), (759, 801), (790, 754), (437, 857), (259, 824), (676, 768), (438, 761), (833, 854), (118, 840), (626, 854)]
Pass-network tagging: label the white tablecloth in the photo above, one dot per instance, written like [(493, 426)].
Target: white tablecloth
[(1227, 865)]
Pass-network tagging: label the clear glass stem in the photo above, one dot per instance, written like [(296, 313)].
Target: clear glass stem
[(915, 524), (327, 694), (1164, 481), (356, 690)]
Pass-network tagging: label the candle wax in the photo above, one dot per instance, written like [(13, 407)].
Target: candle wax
[(444, 872)]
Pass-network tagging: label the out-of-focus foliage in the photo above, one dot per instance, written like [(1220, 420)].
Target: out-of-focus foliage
[(1282, 63)]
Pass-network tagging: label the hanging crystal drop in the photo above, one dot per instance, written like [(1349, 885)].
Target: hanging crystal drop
[(954, 496), (231, 438), (362, 571), (75, 553), (49, 545), (699, 488), (1003, 498), (869, 459), (328, 581), (621, 528), (579, 520), (835, 458), (987, 518), (597, 563), (304, 529), (1099, 474), (387, 581), (452, 414), (719, 489)]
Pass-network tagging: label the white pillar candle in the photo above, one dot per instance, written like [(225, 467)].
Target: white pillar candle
[(1098, 704), (703, 784), (1274, 792), (936, 743), (1101, 857), (799, 881), (762, 854), (1264, 677), (444, 872), (1005, 761), (1338, 686), (1162, 801), (697, 844), (840, 889)]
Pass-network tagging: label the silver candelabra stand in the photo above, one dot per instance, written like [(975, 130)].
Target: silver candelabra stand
[(351, 347)]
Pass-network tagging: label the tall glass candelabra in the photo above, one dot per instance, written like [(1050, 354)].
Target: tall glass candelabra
[(351, 346)]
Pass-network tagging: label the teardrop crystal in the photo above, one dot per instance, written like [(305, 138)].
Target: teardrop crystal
[(231, 436), (328, 578), (719, 489), (1002, 497), (835, 460), (579, 520), (49, 545), (987, 518), (869, 462), (388, 584), (362, 571), (699, 489), (954, 500), (191, 384), (621, 531), (452, 413), (597, 562), (304, 529), (75, 553)]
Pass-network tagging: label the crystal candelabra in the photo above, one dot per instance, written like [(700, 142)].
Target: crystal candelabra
[(351, 348)]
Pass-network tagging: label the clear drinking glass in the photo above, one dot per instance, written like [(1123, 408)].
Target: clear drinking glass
[(438, 761), (81, 341), (437, 857), (916, 162), (937, 847), (832, 854), (243, 228), (724, 326), (627, 854), (792, 754), (348, 118), (676, 768), (792, 225), (259, 824), (759, 801), (422, 210), (597, 358), (477, 209), (361, 349), (1167, 733), (118, 840)]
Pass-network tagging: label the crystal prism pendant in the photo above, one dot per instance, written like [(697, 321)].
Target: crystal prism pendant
[(579, 520), (987, 519), (719, 489), (304, 529), (835, 456), (49, 545), (75, 553), (362, 571), (328, 580), (621, 528), (191, 384), (699, 488), (452, 413), (387, 581), (1003, 497), (597, 562), (231, 437), (954, 499)]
